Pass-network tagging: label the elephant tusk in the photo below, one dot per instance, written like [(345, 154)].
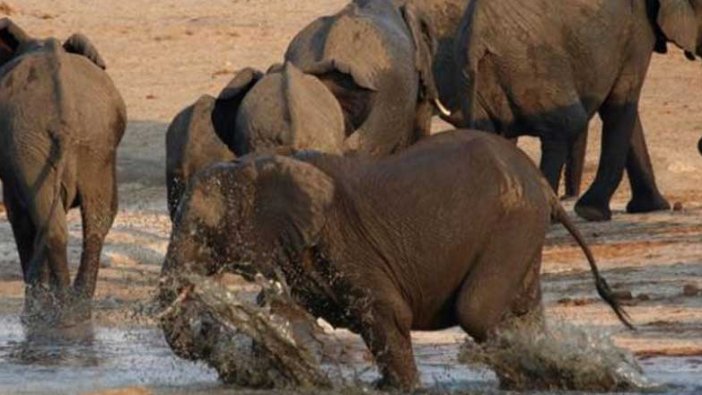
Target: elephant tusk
[(442, 109)]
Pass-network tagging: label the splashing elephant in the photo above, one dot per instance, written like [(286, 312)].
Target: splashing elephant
[(378, 246), (61, 120), (545, 68), (376, 58)]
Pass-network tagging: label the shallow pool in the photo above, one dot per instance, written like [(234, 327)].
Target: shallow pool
[(84, 359)]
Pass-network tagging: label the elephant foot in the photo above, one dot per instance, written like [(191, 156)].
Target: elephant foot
[(647, 205), (46, 307), (592, 213)]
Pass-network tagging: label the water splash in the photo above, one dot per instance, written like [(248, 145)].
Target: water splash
[(273, 344), (560, 357)]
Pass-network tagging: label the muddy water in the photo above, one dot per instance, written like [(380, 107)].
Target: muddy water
[(85, 359)]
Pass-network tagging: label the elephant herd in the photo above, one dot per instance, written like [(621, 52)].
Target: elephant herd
[(323, 169)]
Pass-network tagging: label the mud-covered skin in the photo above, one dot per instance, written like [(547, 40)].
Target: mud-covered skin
[(381, 247), (191, 145), (376, 58), (61, 119), (509, 51)]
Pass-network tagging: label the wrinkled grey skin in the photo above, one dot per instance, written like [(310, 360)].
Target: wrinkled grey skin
[(545, 68), (376, 58), (191, 145), (381, 247), (61, 120)]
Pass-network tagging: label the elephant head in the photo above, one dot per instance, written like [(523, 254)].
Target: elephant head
[(13, 42), (250, 216), (425, 45), (680, 21), (283, 108)]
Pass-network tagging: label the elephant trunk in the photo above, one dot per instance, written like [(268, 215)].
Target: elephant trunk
[(184, 329)]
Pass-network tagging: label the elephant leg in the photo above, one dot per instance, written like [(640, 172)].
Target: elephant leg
[(57, 253), (51, 240), (618, 125), (645, 194), (22, 229), (575, 165), (503, 283), (98, 210), (553, 156), (387, 335)]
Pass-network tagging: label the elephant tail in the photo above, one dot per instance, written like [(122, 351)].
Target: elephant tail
[(560, 215), (59, 133)]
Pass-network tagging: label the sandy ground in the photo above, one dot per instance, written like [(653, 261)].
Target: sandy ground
[(163, 54)]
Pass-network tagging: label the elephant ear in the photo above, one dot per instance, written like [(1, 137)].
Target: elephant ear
[(228, 102), (295, 198), (316, 116), (79, 44), (352, 88), (337, 66), (11, 37), (677, 20), (425, 45)]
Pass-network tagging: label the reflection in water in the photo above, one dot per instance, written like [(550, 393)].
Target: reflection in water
[(85, 358), (62, 346)]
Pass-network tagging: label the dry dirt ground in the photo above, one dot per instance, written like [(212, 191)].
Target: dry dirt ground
[(163, 54)]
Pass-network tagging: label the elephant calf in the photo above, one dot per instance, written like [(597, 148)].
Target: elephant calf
[(449, 232), (61, 120), (281, 110), (192, 144)]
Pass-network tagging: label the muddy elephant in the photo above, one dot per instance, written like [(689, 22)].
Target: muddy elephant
[(546, 68), (448, 232), (376, 58), (61, 120), (256, 112)]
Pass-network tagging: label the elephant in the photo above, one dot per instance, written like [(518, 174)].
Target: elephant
[(191, 145), (61, 120), (256, 112), (285, 107), (545, 68), (376, 58), (444, 18), (448, 232)]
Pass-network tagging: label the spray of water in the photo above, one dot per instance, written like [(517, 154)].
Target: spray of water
[(560, 357), (271, 344)]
